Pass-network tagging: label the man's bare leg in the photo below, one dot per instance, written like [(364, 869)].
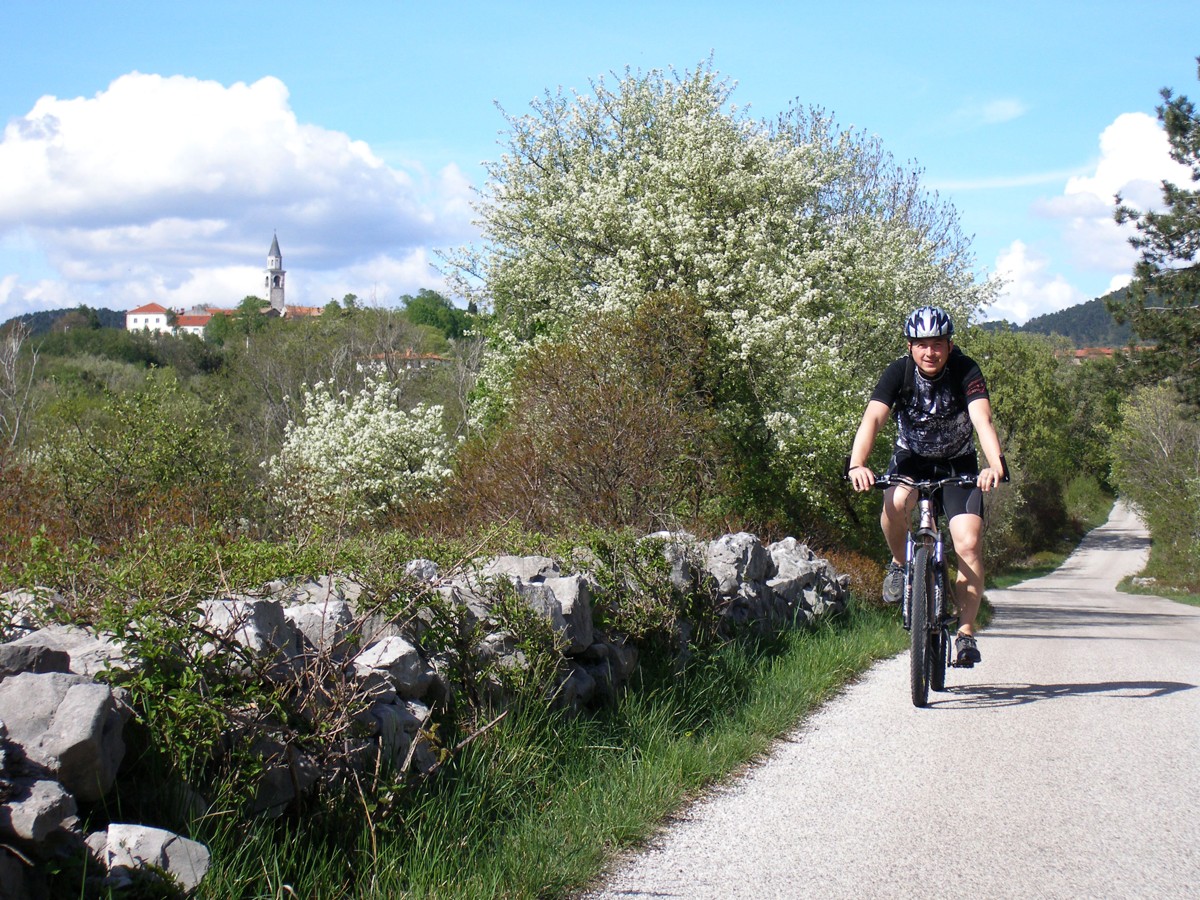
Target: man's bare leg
[(966, 530), (894, 520)]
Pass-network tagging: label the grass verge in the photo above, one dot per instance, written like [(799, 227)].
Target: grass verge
[(538, 808)]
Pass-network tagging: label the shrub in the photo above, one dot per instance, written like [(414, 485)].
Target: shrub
[(356, 458), (1157, 465), (610, 428), (155, 456)]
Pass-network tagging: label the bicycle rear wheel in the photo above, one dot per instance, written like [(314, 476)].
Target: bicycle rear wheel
[(921, 660)]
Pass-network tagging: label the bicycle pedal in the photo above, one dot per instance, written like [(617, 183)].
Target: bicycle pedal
[(958, 665)]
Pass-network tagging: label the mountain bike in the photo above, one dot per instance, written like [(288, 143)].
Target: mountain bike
[(928, 609)]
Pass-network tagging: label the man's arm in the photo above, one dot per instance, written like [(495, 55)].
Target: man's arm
[(980, 411), (864, 440)]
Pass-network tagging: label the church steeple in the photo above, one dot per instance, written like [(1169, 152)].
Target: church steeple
[(275, 275)]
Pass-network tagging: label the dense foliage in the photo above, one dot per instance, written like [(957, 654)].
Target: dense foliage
[(1157, 465), (47, 320), (803, 245)]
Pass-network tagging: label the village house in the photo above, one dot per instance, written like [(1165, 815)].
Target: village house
[(150, 317), (380, 363)]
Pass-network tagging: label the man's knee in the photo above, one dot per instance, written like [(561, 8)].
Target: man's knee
[(967, 533)]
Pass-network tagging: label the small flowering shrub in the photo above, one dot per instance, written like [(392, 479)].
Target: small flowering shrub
[(357, 457)]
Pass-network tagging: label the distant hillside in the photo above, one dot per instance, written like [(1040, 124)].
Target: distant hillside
[(1086, 325), (42, 322), (1089, 324)]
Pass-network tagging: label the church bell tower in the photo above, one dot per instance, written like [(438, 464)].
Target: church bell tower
[(275, 276)]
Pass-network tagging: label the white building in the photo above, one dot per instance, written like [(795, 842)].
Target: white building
[(150, 317)]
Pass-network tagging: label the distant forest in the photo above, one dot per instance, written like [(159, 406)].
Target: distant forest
[(1086, 325), (48, 320)]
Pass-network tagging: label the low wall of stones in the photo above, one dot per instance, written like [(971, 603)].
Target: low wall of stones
[(62, 716)]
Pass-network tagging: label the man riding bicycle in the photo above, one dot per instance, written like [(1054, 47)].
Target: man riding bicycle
[(939, 397)]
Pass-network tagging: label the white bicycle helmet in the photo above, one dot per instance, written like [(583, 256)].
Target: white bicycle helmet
[(928, 322)]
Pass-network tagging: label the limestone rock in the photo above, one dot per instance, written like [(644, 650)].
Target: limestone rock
[(137, 847), (523, 568), (681, 551), (400, 661), (422, 570), (36, 809), (567, 603), (15, 658), (256, 624), (323, 623), (736, 558), (89, 653), (69, 724)]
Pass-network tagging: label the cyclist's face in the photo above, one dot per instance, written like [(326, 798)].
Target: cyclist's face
[(930, 354)]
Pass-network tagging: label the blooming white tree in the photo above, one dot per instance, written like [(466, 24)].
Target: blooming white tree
[(805, 245), (357, 456)]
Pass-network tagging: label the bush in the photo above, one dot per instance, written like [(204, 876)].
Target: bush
[(611, 428), (1156, 464), (357, 458), (152, 457)]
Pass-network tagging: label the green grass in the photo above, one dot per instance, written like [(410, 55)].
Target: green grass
[(1172, 579), (539, 806), (1160, 591)]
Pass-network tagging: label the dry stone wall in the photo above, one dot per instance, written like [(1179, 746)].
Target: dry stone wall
[(62, 712)]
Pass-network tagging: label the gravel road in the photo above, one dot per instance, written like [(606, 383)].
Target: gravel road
[(1067, 764)]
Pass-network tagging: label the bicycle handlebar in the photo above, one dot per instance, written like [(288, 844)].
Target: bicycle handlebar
[(886, 481), (933, 484)]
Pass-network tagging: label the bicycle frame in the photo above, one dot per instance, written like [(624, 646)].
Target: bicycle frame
[(929, 533)]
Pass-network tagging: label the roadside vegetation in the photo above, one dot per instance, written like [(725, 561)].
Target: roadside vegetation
[(675, 319)]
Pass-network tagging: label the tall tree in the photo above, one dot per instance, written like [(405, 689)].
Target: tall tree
[(804, 246), (1163, 303), (431, 308)]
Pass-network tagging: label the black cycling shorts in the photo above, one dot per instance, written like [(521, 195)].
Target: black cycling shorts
[(955, 500)]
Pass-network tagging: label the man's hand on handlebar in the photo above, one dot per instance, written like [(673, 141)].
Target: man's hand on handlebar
[(861, 477), (989, 478)]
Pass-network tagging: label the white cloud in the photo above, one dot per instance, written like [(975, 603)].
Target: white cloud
[(1119, 281), (1030, 289), (977, 113), (167, 188), (1134, 161), (1005, 110)]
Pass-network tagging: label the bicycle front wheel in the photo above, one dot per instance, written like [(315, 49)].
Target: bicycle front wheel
[(939, 651), (921, 660)]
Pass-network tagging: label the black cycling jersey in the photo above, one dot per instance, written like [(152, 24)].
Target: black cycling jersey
[(932, 419)]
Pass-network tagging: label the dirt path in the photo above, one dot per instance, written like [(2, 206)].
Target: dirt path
[(1067, 764)]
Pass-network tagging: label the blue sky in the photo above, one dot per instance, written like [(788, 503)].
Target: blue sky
[(151, 149)]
